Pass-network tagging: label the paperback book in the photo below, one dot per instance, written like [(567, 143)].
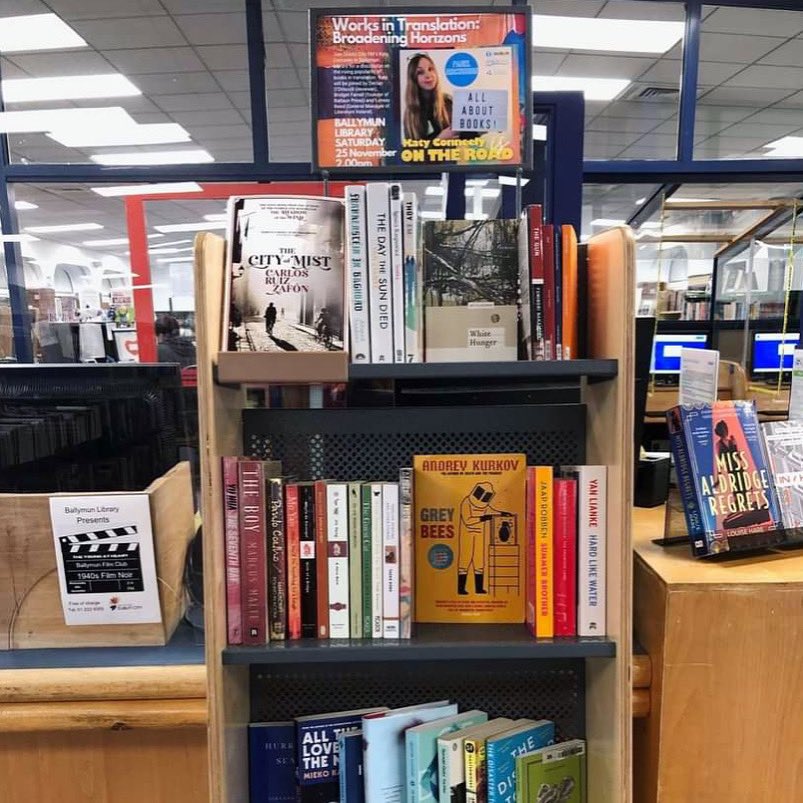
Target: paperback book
[(784, 444), (555, 773), (272, 762), (502, 750)]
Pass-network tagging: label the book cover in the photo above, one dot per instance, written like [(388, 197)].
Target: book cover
[(317, 755), (550, 301), (501, 751), (285, 288), (783, 441), (271, 762), (307, 557), (451, 758), (530, 579), (355, 559), (380, 275), (406, 557), (568, 244), (321, 560), (413, 307), (422, 753), (293, 529), (357, 261), (366, 511), (390, 560), (349, 750), (554, 773), (564, 536), (474, 756), (253, 552), (471, 290), (544, 552), (384, 760), (397, 272), (469, 537), (377, 560), (338, 552), (558, 263), (531, 283), (231, 535), (592, 496), (723, 476), (277, 560)]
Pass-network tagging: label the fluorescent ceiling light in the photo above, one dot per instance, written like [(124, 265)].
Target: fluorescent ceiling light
[(606, 221), (592, 88), (476, 215), (36, 32), (22, 206), (68, 87), (147, 189), (193, 156), (17, 238), (43, 120), (65, 227), (539, 132), (99, 137), (216, 217), (203, 225), (476, 182), (490, 192), (176, 260), (99, 243), (651, 224), (640, 201), (786, 147), (510, 181), (163, 251), (154, 236), (430, 214), (610, 35), (434, 190)]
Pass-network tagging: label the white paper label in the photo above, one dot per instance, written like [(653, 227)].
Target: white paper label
[(105, 560), (486, 338), (699, 376), (796, 393)]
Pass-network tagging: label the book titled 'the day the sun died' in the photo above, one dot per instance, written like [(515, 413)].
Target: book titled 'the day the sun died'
[(724, 478)]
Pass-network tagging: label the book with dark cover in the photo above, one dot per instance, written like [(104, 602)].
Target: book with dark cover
[(231, 508), (723, 476), (321, 561), (565, 556), (253, 552), (271, 762), (531, 283), (317, 753), (309, 577), (277, 561), (349, 749), (550, 318)]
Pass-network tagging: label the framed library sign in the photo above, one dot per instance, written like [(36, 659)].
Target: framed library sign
[(402, 89)]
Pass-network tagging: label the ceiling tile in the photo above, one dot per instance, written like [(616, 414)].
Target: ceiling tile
[(291, 114), (241, 100), (277, 55), (604, 66), (735, 48), (179, 83), (200, 6), (638, 10), (13, 8), (205, 116), (103, 9), (663, 71), (224, 57), (746, 96), (713, 73), (770, 77), (775, 116), (131, 32), (721, 113), (630, 125), (570, 8), (792, 101), (787, 55), (281, 98), (211, 101), (213, 29), (270, 27), (750, 20), (761, 130), (650, 110), (234, 80), (10, 70), (145, 118), (50, 63), (145, 62), (282, 79), (547, 62), (294, 26), (203, 133)]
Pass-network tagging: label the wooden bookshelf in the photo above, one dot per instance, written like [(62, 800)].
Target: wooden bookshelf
[(604, 664)]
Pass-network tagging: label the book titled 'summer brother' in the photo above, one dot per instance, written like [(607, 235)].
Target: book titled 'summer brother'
[(724, 479), (285, 274)]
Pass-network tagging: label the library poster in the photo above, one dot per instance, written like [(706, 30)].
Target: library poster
[(394, 90), (105, 559)]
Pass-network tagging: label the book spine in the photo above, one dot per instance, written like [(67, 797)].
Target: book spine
[(536, 254), (531, 581), (277, 562), (544, 612), (357, 253), (406, 549), (322, 560), (253, 552), (549, 292), (377, 560), (413, 311), (367, 557), (411, 763), (569, 291), (591, 550), (341, 762), (377, 204), (565, 551), (355, 560), (338, 543), (309, 580), (390, 560), (293, 562), (557, 262), (444, 771), (491, 775), (231, 531), (397, 272), (471, 752)]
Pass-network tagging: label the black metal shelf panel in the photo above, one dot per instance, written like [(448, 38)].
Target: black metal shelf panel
[(430, 643)]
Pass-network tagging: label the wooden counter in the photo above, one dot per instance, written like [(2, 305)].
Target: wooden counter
[(726, 646), (771, 405)]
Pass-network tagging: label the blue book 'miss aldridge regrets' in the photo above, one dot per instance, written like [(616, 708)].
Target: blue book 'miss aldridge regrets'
[(271, 762), (501, 752)]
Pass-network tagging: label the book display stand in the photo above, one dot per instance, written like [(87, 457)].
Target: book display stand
[(582, 684)]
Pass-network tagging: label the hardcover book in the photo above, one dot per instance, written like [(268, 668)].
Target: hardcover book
[(469, 537), (349, 751), (784, 444), (285, 288), (317, 753), (471, 290), (384, 760), (231, 523), (422, 753), (724, 481), (554, 773), (502, 750), (271, 762)]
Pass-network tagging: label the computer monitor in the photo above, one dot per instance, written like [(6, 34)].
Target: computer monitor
[(772, 353), (666, 352)]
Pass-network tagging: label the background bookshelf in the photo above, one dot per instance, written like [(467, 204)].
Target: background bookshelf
[(582, 683)]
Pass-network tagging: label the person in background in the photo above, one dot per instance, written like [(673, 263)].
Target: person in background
[(172, 346)]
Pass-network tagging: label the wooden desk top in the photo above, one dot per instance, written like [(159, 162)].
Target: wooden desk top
[(676, 567), (770, 404)]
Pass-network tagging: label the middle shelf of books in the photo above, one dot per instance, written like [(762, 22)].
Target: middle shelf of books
[(574, 677)]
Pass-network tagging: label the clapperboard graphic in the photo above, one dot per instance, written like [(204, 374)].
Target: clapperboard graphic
[(102, 561)]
